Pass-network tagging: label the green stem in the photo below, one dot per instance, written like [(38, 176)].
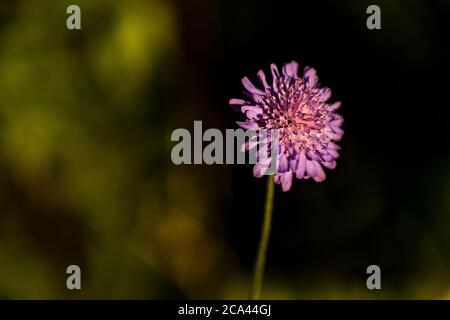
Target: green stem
[(255, 291)]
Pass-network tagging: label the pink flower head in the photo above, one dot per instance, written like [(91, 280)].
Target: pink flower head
[(308, 126)]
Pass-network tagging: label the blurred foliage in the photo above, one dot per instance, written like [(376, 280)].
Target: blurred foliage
[(85, 174)]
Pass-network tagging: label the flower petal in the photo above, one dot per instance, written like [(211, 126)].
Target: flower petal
[(282, 163), (275, 72), (286, 181), (251, 108), (333, 146), (338, 120), (248, 145), (337, 136), (311, 168), (277, 178), (337, 130), (236, 102), (275, 76), (301, 167), (260, 168), (250, 87), (290, 69), (248, 124), (334, 106), (334, 153), (313, 155), (330, 164), (262, 78), (252, 112), (293, 164), (327, 157), (311, 77), (320, 176), (325, 94)]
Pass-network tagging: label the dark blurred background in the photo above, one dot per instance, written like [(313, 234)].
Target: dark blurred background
[(85, 170)]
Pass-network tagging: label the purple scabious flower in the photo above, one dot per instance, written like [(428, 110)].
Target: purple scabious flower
[(307, 124)]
